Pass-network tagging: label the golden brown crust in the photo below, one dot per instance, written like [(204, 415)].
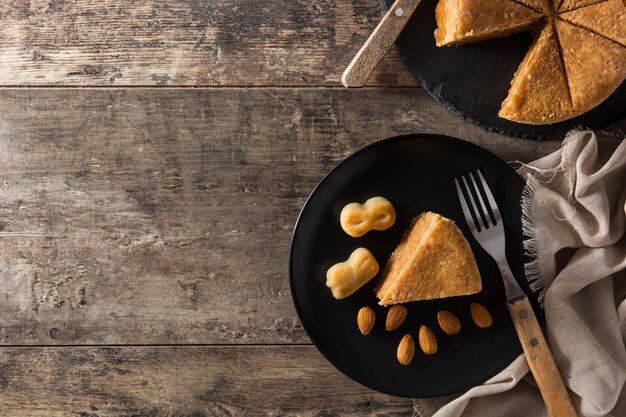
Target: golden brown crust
[(607, 19), (433, 260), (543, 6), (463, 21), (595, 66), (566, 5), (539, 91)]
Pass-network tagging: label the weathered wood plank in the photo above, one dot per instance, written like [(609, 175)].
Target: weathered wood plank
[(183, 381), (165, 216), (191, 43)]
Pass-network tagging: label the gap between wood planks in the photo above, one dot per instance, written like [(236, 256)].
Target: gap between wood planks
[(163, 345), (202, 87)]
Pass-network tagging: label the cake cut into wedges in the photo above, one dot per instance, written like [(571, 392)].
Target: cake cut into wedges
[(433, 260), (578, 58), (539, 93), (595, 65), (607, 19), (463, 21), (538, 5), (564, 5)]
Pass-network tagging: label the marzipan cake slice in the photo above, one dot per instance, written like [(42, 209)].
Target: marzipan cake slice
[(595, 66), (461, 21), (539, 92), (607, 19), (433, 260), (565, 5)]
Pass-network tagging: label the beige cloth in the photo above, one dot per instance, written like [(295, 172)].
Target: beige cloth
[(575, 212)]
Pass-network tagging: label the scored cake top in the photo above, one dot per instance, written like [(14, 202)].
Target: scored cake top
[(589, 37)]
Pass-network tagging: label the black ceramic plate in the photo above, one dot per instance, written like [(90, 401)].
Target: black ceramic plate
[(415, 172), (473, 80)]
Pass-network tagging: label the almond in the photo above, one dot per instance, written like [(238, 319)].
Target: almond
[(395, 317), (428, 342), (366, 319), (480, 315), (448, 322), (406, 350)]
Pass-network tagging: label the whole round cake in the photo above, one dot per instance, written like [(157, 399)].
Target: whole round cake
[(577, 60)]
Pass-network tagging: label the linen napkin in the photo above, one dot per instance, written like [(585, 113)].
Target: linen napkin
[(574, 213)]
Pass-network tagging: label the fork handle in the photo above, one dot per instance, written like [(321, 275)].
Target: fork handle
[(540, 360)]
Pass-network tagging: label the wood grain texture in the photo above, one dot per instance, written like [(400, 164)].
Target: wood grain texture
[(183, 381), (540, 360), (165, 215), (132, 216), (187, 43), (378, 43)]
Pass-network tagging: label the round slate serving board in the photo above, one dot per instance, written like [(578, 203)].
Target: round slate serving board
[(473, 80), (416, 173)]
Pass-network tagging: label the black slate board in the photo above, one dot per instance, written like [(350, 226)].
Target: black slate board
[(473, 80)]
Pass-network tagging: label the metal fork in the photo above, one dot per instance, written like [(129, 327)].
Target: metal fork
[(488, 229)]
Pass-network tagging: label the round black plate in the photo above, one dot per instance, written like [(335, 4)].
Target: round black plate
[(473, 80), (415, 172)]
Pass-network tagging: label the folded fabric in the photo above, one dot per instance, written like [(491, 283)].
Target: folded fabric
[(574, 213)]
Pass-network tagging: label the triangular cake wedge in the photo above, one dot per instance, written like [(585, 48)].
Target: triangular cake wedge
[(433, 260), (566, 5), (539, 92), (607, 19), (464, 21), (595, 66)]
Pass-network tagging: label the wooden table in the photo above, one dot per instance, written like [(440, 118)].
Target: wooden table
[(154, 156)]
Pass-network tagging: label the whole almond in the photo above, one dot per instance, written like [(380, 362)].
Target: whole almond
[(480, 315), (406, 350), (395, 317), (448, 322), (428, 342), (366, 319)]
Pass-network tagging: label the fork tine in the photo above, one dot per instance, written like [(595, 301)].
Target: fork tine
[(479, 219), (486, 219), (466, 210), (492, 201)]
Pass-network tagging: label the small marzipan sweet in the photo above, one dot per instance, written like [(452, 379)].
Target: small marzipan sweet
[(344, 278), (377, 213)]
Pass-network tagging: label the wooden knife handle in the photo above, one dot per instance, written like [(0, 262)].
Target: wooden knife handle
[(540, 360), (379, 42)]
